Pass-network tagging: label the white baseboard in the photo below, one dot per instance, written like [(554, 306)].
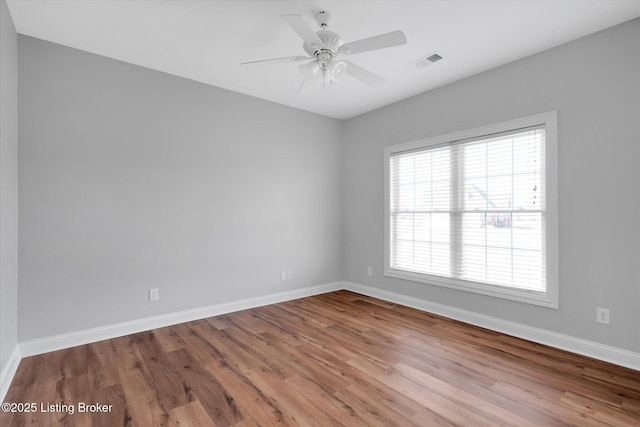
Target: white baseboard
[(576, 345), (9, 371), (592, 349), (85, 336)]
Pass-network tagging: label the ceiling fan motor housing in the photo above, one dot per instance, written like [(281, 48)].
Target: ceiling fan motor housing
[(330, 43)]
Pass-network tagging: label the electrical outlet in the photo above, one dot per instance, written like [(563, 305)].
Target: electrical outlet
[(154, 294), (369, 271), (289, 274), (283, 274), (602, 315)]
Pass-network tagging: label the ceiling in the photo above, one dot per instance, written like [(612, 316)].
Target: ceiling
[(207, 40)]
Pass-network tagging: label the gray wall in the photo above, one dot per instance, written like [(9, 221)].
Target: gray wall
[(594, 84), (8, 187), (133, 179)]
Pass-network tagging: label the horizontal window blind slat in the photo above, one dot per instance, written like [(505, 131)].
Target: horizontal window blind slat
[(472, 209)]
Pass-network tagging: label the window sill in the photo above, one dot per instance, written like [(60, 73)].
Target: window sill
[(544, 299)]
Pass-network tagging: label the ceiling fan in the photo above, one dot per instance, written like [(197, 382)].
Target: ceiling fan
[(324, 47)]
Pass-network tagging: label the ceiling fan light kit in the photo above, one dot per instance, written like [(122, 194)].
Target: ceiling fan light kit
[(324, 46)]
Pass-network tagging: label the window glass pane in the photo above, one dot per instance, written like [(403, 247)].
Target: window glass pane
[(489, 193), (440, 247), (528, 273), (486, 248), (421, 242), (527, 232), (440, 259), (499, 192), (503, 249), (403, 255), (403, 226), (421, 181), (422, 260), (498, 157), (474, 241), (499, 266), (422, 227), (527, 192), (440, 227), (406, 199), (498, 230), (475, 195)]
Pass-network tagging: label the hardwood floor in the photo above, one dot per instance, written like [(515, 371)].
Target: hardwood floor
[(333, 359)]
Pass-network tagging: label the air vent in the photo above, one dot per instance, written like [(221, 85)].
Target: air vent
[(427, 60)]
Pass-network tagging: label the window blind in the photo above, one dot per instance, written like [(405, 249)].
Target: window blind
[(472, 210)]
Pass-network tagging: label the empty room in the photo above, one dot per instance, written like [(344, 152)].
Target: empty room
[(319, 213)]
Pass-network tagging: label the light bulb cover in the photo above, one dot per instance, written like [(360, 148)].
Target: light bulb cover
[(310, 70), (326, 77), (338, 70)]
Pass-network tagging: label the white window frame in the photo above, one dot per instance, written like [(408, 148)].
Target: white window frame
[(549, 298)]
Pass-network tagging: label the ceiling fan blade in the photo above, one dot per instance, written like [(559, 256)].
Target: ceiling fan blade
[(394, 38), (279, 60), (300, 26), (363, 75), (306, 87)]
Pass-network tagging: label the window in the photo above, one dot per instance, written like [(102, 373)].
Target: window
[(476, 210)]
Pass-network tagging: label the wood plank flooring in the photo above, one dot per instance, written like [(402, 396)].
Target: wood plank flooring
[(338, 359)]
